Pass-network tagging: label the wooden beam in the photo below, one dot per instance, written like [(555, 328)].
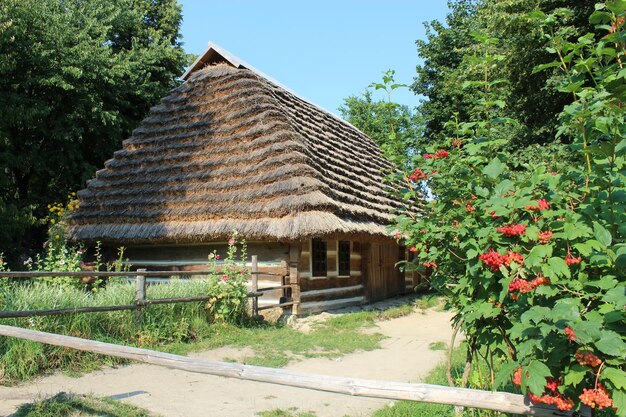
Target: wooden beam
[(294, 276), (497, 401)]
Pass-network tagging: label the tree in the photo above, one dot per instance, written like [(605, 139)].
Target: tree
[(530, 98), (394, 127), (75, 78)]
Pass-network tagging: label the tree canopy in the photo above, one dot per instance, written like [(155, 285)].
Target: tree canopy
[(75, 78)]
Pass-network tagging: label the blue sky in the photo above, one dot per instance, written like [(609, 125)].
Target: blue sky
[(323, 50)]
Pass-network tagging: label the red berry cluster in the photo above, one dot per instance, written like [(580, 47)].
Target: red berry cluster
[(541, 205), (571, 335), (570, 260), (469, 208), (431, 264), (552, 397), (615, 26), (512, 229), (494, 260), (561, 402), (418, 175), (545, 237), (585, 357), (413, 249), (456, 143), (439, 154), (524, 286), (597, 397), (493, 215)]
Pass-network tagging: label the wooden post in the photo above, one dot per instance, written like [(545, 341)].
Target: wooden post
[(284, 265), (255, 285), (140, 295), (294, 277)]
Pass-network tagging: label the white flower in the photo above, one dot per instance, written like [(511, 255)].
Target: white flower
[(28, 261)]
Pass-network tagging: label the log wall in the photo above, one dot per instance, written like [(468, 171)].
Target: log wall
[(332, 290), (373, 276)]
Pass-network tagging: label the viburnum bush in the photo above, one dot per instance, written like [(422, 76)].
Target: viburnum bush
[(534, 261)]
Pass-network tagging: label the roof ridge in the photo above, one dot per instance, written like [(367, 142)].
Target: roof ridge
[(213, 49)]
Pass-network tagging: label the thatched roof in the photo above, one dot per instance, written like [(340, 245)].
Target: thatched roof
[(232, 149)]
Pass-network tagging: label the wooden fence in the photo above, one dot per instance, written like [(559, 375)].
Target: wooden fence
[(140, 293), (498, 401)]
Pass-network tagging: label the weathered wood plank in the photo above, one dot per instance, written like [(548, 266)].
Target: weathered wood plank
[(332, 293), (498, 401), (332, 282), (294, 276)]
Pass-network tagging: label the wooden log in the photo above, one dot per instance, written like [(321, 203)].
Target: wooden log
[(497, 401)]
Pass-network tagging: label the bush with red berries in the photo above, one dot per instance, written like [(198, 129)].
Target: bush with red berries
[(534, 261)]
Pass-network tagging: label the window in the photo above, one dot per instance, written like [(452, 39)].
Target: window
[(344, 258), (318, 257)]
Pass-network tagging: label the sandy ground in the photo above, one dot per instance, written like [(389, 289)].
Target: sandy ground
[(404, 356)]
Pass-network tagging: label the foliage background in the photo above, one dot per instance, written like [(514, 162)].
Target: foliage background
[(75, 78)]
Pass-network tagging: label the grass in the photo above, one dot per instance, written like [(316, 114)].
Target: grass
[(70, 405), (174, 328), (290, 412), (438, 346), (437, 376), (275, 345), (162, 325), (427, 301)]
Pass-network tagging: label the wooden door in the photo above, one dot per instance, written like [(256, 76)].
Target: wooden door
[(376, 282)]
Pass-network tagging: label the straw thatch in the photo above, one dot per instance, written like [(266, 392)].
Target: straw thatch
[(231, 149)]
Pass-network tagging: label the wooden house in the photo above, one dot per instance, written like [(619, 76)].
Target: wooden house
[(233, 149)]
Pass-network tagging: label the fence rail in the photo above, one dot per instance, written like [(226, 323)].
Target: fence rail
[(106, 274), (463, 397)]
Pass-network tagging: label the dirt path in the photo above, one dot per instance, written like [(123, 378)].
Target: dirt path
[(405, 356)]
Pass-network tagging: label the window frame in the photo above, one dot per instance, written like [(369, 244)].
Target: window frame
[(317, 249), (339, 261)]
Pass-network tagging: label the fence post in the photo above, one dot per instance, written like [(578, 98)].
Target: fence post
[(255, 285), (140, 295)]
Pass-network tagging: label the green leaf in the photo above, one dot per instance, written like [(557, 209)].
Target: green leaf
[(616, 376), (559, 267), (537, 374), (602, 235), (616, 296), (532, 232), (494, 168), (587, 331), (573, 231), (583, 248), (619, 402), (575, 375), (543, 67), (505, 373), (535, 314), (537, 255), (611, 344), (567, 309)]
